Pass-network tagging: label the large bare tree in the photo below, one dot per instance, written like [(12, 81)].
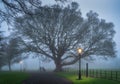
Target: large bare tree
[(56, 32)]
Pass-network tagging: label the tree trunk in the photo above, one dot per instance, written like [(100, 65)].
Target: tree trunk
[(58, 66), (0, 68)]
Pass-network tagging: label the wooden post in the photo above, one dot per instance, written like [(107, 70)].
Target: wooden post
[(93, 72), (100, 73), (105, 74), (96, 73), (116, 75), (111, 74), (90, 73), (86, 69)]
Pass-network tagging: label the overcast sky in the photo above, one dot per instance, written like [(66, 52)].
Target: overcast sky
[(108, 10)]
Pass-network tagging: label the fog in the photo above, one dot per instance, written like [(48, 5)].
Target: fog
[(108, 10)]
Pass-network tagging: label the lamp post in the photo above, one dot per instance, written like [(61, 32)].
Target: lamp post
[(79, 53), (21, 62)]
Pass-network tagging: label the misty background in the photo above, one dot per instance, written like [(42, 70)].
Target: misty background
[(108, 10)]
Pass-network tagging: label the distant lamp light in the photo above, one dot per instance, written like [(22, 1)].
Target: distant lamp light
[(21, 62)]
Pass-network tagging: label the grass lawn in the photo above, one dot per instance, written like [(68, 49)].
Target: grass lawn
[(85, 80), (12, 77)]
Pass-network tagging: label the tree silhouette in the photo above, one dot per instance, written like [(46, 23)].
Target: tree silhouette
[(2, 63), (11, 52), (56, 32)]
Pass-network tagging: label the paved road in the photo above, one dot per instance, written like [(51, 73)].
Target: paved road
[(45, 78)]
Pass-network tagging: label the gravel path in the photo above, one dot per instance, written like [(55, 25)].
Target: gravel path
[(45, 78)]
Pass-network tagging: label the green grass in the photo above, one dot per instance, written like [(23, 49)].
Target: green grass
[(89, 80), (12, 77)]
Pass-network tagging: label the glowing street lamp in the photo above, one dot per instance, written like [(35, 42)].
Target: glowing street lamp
[(79, 50), (21, 62), (79, 53)]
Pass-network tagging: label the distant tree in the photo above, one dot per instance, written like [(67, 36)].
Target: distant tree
[(56, 32), (2, 63), (12, 52), (2, 60)]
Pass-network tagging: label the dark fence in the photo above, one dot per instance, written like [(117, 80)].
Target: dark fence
[(106, 74)]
